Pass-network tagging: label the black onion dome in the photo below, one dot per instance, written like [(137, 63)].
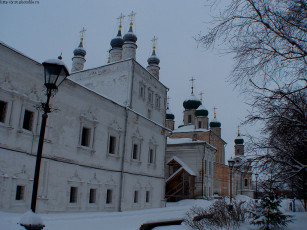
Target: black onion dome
[(118, 41), (130, 36), (153, 59), (169, 115), (192, 102), (215, 123), (201, 111), (80, 51), (239, 140)]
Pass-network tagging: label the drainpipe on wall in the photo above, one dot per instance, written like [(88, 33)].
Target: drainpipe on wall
[(203, 173), (124, 147)]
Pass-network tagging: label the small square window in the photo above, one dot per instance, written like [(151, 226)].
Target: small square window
[(92, 198), (86, 135), (136, 197), (20, 192), (73, 195), (135, 152), (28, 120), (109, 196), (151, 156), (3, 108), (112, 144), (147, 199)]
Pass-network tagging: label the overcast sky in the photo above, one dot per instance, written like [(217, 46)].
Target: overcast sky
[(44, 30)]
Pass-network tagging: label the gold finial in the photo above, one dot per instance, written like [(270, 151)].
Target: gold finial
[(238, 130), (201, 96), (120, 18), (109, 59), (131, 16), (192, 80), (214, 108), (82, 34), (154, 40), (167, 102)]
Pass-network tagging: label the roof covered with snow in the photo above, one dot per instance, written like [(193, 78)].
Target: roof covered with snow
[(173, 141), (183, 166), (188, 128)]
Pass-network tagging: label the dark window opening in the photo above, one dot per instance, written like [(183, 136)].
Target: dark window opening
[(73, 195), (151, 156), (112, 144), (3, 108), (92, 198), (28, 120), (147, 197), (109, 196), (238, 151), (136, 196), (85, 139), (20, 192), (135, 152), (246, 182), (190, 119), (199, 124)]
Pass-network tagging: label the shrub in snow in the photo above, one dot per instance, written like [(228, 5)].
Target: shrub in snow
[(220, 215), (267, 215)]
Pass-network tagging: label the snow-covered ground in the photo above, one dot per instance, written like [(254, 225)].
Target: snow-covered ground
[(131, 220)]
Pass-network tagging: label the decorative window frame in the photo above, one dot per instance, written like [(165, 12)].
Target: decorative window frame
[(136, 140), (94, 183), (32, 107), (110, 184), (114, 130), (152, 146), (74, 181), (150, 189), (9, 107), (9, 97), (157, 102), (90, 123), (142, 90), (137, 187), (150, 98), (21, 178)]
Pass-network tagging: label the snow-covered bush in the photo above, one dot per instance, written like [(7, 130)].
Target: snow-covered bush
[(267, 215), (219, 215)]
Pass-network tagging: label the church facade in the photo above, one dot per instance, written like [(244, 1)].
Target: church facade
[(104, 148), (206, 164)]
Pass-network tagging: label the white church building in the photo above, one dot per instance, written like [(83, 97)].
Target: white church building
[(104, 148)]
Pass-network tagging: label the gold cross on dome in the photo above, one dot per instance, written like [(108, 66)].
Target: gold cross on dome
[(82, 32), (192, 80), (131, 16), (214, 108), (154, 42), (121, 18), (238, 130), (201, 96)]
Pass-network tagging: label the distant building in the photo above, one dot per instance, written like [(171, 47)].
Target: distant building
[(105, 143), (196, 127), (242, 174), (189, 169), (199, 145)]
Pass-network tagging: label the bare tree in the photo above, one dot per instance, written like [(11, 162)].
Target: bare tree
[(267, 37), (269, 41)]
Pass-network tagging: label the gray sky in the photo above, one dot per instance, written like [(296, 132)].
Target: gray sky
[(44, 30)]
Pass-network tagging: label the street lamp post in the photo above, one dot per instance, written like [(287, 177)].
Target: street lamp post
[(256, 195), (55, 73), (231, 164)]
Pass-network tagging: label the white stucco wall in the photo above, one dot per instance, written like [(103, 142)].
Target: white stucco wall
[(65, 162)]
